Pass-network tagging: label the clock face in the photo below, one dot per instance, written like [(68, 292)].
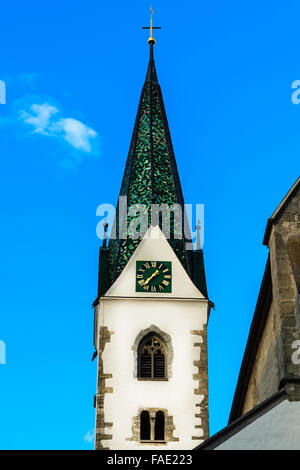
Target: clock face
[(153, 276)]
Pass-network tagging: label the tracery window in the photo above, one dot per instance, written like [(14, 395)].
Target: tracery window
[(152, 358)]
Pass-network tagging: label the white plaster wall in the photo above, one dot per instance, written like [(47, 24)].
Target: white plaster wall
[(278, 429), (126, 318)]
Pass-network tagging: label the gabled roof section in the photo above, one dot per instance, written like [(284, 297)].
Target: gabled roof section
[(154, 245), (236, 426), (151, 177), (278, 211)]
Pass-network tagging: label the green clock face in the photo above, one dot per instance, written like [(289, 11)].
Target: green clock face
[(153, 276)]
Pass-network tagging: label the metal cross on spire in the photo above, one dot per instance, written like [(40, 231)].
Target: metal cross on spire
[(151, 39)]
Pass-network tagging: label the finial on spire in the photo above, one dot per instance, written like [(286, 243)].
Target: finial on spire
[(105, 226), (198, 227), (151, 39)]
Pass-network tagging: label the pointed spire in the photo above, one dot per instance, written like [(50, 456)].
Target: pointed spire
[(151, 177), (151, 72)]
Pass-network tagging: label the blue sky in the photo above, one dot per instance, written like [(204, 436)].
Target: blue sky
[(74, 72)]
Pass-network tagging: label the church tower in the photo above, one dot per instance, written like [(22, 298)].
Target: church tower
[(152, 306)]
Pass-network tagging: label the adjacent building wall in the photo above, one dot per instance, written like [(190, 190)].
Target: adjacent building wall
[(285, 294), (273, 365), (264, 379)]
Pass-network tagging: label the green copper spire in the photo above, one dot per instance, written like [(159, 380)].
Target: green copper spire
[(150, 177)]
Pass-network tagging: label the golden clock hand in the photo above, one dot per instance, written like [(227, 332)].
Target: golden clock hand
[(148, 280), (151, 277)]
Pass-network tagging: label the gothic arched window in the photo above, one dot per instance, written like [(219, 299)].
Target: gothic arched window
[(159, 427), (145, 426), (152, 357), (152, 428)]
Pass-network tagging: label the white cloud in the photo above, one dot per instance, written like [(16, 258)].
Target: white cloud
[(90, 436), (39, 116), (46, 119), (76, 133)]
